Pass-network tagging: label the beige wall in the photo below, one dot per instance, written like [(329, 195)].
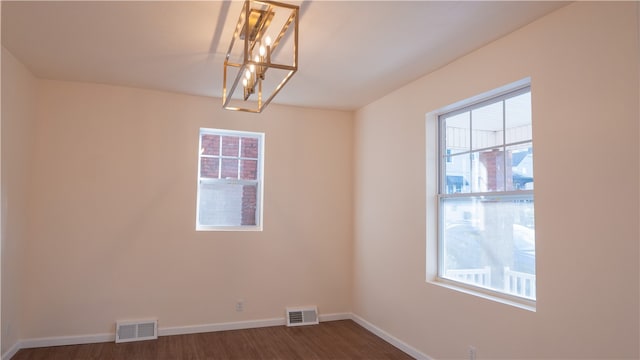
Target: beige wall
[(113, 214), (18, 115), (583, 62)]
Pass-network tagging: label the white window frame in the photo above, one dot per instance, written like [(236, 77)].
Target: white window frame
[(435, 186), (259, 182)]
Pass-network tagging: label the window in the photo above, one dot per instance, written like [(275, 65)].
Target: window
[(486, 233), (229, 180)]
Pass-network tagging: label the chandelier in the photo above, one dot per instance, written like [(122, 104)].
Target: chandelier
[(262, 55)]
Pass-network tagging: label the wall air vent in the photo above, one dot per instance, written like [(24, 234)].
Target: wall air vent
[(307, 315), (127, 331)]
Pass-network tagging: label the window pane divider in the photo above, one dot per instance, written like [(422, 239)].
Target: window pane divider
[(466, 152), (504, 141), (239, 171), (220, 156), (227, 157), (228, 181), (489, 194)]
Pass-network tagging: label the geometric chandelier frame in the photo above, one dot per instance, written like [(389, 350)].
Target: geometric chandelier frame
[(262, 55)]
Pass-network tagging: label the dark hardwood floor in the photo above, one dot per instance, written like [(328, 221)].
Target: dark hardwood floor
[(330, 340)]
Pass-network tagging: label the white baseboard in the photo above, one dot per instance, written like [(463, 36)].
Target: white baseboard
[(67, 340), (238, 325), (390, 338), (12, 351), (334, 317), (194, 329)]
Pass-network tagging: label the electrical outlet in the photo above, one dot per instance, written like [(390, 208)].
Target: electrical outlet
[(240, 305), (472, 353)]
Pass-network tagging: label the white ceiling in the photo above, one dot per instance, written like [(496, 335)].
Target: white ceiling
[(351, 52)]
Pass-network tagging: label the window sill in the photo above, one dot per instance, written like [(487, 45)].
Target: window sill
[(228, 228), (487, 294)]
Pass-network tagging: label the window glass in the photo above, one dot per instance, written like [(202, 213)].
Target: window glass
[(520, 160), (210, 144), (488, 170), (487, 125), (458, 133), (518, 118), (229, 168), (486, 208), (230, 145), (209, 168), (489, 240), (458, 174)]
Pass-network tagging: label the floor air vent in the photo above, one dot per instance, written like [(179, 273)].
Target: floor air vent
[(302, 316), (136, 330)]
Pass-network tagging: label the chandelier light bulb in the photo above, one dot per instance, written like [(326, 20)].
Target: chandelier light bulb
[(252, 68), (247, 74), (267, 40), (244, 82), (262, 50)]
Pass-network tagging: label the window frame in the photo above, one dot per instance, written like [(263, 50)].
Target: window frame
[(259, 182), (437, 159)]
